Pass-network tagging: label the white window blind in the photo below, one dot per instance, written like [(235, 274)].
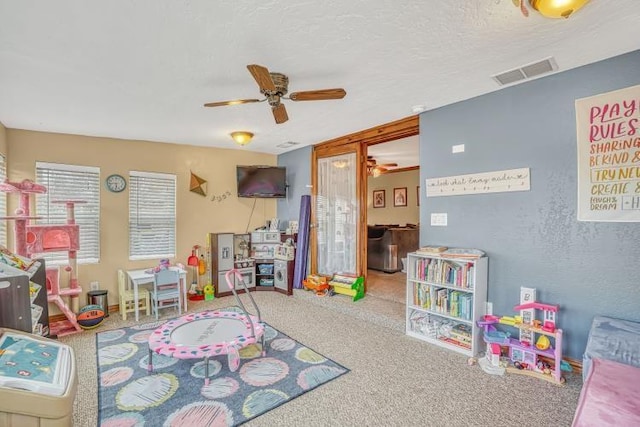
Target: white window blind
[(152, 215), (3, 202), (71, 182)]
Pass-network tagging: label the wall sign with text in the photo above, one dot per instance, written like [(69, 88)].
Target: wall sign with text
[(608, 136), (477, 183)]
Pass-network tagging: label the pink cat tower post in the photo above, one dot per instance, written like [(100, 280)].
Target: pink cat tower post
[(31, 239)]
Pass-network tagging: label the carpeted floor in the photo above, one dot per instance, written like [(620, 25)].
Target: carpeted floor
[(394, 380), (176, 392)]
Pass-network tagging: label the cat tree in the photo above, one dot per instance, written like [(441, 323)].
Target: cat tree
[(31, 239)]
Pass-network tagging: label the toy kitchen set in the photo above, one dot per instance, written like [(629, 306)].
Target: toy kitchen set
[(264, 258)]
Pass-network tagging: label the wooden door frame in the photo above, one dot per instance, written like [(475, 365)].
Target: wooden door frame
[(358, 142)]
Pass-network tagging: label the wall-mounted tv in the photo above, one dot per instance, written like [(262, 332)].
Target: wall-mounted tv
[(262, 181)]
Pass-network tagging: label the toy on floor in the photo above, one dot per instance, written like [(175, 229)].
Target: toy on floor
[(211, 333), (538, 351), (352, 286), (90, 316), (208, 292), (318, 284)]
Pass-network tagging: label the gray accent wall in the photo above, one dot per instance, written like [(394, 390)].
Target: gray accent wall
[(533, 238), (298, 164)]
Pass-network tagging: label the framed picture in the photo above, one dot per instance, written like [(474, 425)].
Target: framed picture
[(378, 198), (400, 196), (418, 195)]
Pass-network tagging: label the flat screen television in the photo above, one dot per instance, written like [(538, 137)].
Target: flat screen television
[(262, 181)]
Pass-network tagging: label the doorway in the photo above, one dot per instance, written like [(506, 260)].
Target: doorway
[(393, 214), (357, 143)]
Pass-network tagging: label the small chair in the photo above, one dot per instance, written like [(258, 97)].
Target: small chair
[(126, 297), (166, 291)]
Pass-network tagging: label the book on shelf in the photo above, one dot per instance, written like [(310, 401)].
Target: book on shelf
[(461, 332), (33, 364), (453, 341), (422, 295)]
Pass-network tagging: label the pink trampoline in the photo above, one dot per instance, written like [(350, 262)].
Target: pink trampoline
[(209, 333)]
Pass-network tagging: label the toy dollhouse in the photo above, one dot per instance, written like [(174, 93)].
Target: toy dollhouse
[(538, 351), (31, 239)]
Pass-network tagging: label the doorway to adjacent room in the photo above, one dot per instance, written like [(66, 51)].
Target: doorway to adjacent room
[(393, 214)]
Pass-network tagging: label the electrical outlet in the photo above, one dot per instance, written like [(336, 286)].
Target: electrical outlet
[(94, 286), (489, 307)]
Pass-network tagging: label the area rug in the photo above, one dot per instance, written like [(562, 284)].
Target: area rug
[(174, 394)]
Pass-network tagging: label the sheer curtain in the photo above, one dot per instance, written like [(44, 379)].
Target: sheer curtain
[(336, 214)]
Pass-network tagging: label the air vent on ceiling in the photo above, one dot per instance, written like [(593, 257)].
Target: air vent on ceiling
[(287, 144), (526, 71)]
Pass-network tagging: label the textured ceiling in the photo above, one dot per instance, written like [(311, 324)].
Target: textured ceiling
[(143, 69)]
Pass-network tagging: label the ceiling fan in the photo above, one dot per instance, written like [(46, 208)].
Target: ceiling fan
[(274, 86), (376, 169)]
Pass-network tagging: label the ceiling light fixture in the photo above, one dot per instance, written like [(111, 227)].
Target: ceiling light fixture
[(241, 137), (557, 8)]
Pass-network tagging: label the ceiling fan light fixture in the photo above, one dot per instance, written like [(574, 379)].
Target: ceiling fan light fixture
[(241, 137), (340, 163), (376, 172), (557, 8)]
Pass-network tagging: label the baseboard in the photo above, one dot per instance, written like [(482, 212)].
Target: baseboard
[(576, 365), (61, 316)]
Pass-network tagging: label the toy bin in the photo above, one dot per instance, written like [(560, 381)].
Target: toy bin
[(265, 268), (266, 282), (34, 403)]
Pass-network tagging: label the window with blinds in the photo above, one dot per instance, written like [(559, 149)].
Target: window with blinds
[(71, 182), (152, 215), (3, 202)]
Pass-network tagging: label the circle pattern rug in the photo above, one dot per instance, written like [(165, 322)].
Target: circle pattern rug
[(175, 392)]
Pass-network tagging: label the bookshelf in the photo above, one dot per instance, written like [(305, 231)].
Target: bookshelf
[(445, 296)]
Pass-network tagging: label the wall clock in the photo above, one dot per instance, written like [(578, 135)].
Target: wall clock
[(116, 183)]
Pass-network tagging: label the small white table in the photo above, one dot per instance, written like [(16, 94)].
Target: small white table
[(141, 277)]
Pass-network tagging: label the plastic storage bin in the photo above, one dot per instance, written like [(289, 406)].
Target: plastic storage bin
[(265, 268)]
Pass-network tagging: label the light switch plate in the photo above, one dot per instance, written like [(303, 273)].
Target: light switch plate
[(439, 219)]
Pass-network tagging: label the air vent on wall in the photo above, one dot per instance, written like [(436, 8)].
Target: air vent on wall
[(526, 71)]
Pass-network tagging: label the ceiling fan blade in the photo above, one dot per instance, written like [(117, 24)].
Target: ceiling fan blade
[(522, 6), (237, 101), (388, 165), (280, 113), (262, 77), (318, 95)]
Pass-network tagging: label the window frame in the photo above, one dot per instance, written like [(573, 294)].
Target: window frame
[(55, 258), (136, 192), (4, 225)]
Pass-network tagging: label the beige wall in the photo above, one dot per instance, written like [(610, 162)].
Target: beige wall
[(390, 214), (196, 215)]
